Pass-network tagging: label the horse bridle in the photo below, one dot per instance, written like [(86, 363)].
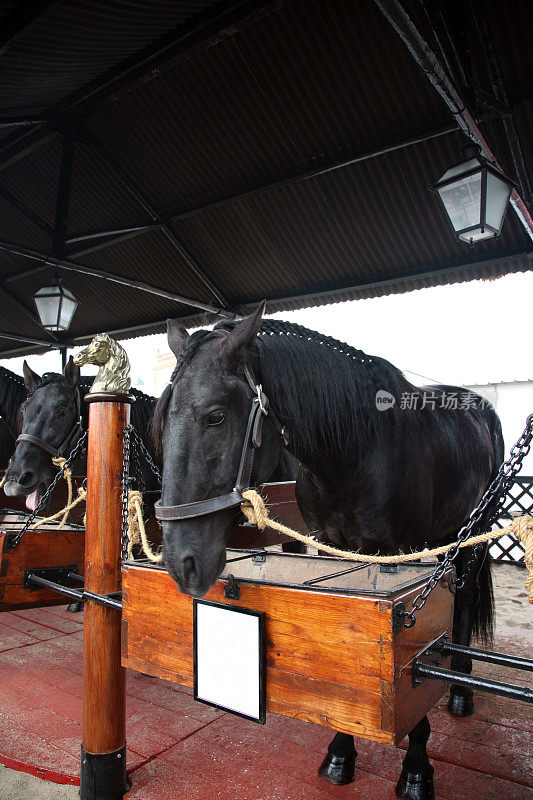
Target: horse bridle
[(252, 440), (73, 434)]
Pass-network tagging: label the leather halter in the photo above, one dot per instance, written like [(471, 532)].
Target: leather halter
[(252, 440), (73, 434)]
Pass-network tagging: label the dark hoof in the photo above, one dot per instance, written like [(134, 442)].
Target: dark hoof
[(415, 786), (74, 608), (461, 702), (338, 770)]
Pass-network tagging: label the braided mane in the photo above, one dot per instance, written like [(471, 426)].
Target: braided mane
[(323, 390)]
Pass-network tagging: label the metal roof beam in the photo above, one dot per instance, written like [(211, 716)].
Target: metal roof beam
[(13, 149), (208, 29), (331, 165), (494, 73), (63, 192), (426, 59), (25, 211), (156, 217), (26, 339), (19, 122), (90, 235), (72, 266), (25, 311)]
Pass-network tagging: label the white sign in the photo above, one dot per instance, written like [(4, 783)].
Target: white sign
[(229, 663)]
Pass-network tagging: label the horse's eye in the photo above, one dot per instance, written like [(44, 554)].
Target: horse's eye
[(60, 413), (215, 417)]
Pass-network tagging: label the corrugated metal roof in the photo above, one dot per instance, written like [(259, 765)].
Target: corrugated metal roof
[(254, 95)]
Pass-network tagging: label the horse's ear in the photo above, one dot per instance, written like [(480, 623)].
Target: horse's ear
[(177, 335), (72, 372), (30, 377), (243, 335)]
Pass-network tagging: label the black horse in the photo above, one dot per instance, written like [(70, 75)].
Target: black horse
[(385, 466), (12, 394), (50, 414)]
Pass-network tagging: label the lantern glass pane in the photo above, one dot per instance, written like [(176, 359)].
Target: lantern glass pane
[(498, 192), (462, 201), (68, 308), (48, 300)]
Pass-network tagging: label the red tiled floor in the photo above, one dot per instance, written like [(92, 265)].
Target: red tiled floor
[(184, 750)]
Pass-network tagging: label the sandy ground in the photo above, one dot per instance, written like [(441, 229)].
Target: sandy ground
[(512, 611), (512, 607)]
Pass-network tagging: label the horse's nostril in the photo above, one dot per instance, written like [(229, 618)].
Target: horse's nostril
[(27, 478), (188, 570)]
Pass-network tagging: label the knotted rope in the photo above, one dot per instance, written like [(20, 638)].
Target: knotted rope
[(256, 513), (523, 530), (136, 528)]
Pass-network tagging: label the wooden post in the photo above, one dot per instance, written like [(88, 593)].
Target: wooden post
[(103, 752)]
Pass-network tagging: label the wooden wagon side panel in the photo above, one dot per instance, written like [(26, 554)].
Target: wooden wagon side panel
[(37, 549), (436, 618), (308, 635)]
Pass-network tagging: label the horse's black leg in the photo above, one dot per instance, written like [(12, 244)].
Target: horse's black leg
[(338, 766), (416, 780), (293, 547), (461, 700)]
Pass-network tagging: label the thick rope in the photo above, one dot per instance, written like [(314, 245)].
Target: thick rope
[(67, 474), (136, 528), (523, 530), (3, 481), (64, 512), (255, 511)]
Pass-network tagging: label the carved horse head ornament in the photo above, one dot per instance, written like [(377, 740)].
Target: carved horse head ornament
[(114, 373)]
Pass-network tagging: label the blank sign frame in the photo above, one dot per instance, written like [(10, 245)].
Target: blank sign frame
[(229, 658)]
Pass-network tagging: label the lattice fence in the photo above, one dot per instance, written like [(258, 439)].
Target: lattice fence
[(521, 502)]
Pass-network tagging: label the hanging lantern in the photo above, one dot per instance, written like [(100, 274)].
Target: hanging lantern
[(56, 306), (474, 195)]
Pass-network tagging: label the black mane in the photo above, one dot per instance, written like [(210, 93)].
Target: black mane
[(324, 385), (12, 394)]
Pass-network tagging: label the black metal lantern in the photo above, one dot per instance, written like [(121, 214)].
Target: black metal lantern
[(474, 195), (56, 306)]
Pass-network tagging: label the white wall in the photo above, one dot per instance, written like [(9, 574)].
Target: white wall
[(513, 402)]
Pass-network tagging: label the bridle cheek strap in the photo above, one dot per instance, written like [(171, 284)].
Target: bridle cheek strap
[(252, 440), (69, 441)]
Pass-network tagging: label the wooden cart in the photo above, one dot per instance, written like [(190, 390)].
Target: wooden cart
[(336, 654)]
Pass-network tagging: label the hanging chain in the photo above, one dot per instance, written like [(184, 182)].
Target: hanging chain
[(125, 488), (139, 446), (15, 541), (496, 492)]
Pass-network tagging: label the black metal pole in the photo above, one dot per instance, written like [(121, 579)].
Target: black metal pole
[(447, 648), (483, 684)]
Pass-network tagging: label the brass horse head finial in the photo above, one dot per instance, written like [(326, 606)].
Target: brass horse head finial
[(114, 373)]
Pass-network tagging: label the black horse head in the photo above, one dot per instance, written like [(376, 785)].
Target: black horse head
[(201, 420), (49, 414)]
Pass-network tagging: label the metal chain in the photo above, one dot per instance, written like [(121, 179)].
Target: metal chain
[(31, 517), (140, 445), (125, 488), (497, 490)]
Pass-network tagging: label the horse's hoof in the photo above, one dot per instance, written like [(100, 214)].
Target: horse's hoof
[(461, 702), (74, 608), (415, 786), (338, 770)]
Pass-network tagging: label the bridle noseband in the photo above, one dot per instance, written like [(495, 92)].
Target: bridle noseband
[(252, 440), (73, 434)]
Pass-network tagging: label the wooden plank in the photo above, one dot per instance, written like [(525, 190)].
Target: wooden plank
[(37, 549), (436, 618)]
